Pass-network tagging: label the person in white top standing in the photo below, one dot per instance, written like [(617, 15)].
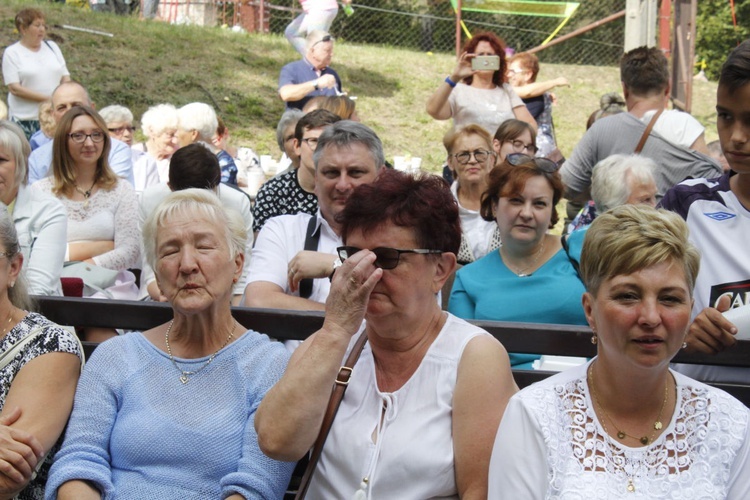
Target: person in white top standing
[(32, 68)]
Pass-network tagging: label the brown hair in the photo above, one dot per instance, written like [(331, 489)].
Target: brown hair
[(506, 179), (26, 17), (511, 129), (529, 62), (498, 77), (63, 168)]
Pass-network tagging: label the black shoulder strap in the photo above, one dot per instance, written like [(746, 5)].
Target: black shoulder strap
[(312, 237), (564, 242)]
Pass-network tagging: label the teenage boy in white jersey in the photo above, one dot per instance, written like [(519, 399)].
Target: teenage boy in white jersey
[(718, 214)]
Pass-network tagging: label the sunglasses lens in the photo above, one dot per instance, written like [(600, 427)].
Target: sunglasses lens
[(386, 258), (346, 252)]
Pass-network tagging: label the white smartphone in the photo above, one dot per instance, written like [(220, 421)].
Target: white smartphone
[(485, 63)]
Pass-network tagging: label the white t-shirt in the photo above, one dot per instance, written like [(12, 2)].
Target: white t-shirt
[(280, 239), (486, 107), (477, 231), (676, 126), (40, 71)]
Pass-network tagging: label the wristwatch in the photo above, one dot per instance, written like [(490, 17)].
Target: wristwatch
[(336, 264), (315, 85)]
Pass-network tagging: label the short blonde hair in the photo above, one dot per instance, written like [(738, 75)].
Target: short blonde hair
[(629, 238), (191, 204)]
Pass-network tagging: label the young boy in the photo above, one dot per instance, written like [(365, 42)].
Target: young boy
[(718, 214)]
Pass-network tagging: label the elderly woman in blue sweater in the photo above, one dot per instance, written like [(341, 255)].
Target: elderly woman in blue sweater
[(169, 412)]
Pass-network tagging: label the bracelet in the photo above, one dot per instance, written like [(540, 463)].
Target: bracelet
[(450, 82)]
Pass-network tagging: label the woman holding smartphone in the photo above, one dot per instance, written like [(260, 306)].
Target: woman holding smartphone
[(480, 96)]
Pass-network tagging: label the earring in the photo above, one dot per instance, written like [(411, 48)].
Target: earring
[(594, 339), (12, 284), (684, 345), (235, 280)]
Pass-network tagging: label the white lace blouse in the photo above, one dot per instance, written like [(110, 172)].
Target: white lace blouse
[(107, 215), (551, 445)]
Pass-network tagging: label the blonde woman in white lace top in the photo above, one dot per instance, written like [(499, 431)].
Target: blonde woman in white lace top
[(624, 425), (102, 208)]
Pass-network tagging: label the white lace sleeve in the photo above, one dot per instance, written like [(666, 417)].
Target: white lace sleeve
[(126, 254), (518, 467)]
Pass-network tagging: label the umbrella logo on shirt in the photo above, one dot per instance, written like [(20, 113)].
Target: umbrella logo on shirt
[(720, 216)]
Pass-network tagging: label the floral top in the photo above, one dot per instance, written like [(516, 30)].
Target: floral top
[(54, 339)]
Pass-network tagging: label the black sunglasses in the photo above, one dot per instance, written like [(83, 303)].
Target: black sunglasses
[(543, 164), (326, 38), (385, 258)]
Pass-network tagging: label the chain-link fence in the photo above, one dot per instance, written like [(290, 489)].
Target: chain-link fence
[(430, 25)]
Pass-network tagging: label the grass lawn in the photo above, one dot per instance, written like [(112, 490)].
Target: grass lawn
[(146, 63)]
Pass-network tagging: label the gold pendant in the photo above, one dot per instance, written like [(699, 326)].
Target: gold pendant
[(184, 379), (86, 203), (631, 486), (644, 440), (620, 435), (657, 425)]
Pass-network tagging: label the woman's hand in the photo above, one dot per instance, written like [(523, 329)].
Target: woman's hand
[(19, 454), (463, 67), (350, 291), (309, 265), (710, 331)]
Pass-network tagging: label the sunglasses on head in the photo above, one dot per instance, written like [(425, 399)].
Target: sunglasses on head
[(385, 258), (326, 38), (543, 164)]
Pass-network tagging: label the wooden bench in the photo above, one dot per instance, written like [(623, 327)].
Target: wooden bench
[(528, 338)]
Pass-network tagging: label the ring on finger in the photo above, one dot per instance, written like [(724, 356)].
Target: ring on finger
[(353, 280)]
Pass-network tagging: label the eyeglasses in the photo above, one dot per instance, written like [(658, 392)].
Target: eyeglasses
[(543, 164), (288, 138), (80, 137), (480, 155), (385, 258), (121, 130), (7, 255), (512, 72), (312, 142), (519, 146)]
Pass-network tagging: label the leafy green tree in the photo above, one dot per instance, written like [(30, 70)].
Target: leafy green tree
[(716, 35)]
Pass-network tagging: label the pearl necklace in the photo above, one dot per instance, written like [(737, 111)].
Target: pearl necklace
[(184, 373)]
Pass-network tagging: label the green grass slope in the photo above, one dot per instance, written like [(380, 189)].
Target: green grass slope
[(146, 63)]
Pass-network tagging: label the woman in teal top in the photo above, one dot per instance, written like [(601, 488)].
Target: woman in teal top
[(530, 278)]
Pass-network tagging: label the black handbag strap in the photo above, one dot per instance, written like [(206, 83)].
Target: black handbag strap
[(573, 262), (312, 238)]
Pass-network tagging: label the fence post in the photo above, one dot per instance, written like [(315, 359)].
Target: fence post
[(640, 24), (458, 28)]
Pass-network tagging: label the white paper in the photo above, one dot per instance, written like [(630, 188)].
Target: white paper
[(740, 316)]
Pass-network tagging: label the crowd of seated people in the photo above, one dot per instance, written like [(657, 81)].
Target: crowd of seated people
[(201, 406)]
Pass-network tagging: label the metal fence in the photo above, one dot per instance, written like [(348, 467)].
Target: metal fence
[(430, 25)]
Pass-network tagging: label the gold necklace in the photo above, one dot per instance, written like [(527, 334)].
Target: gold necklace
[(644, 440), (183, 373), (86, 194), (521, 273), (7, 323)]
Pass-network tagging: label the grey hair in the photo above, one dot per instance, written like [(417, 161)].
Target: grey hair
[(116, 114), (290, 117), (13, 140), (609, 186), (19, 292), (346, 132), (192, 204), (159, 118), (200, 117)]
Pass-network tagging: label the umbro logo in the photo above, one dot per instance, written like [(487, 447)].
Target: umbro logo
[(720, 215)]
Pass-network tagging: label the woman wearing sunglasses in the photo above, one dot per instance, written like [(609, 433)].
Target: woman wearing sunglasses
[(426, 395), (470, 158), (102, 228), (514, 136), (530, 278)]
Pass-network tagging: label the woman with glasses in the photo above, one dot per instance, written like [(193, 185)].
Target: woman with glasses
[(119, 120), (102, 227), (416, 420), (32, 68), (483, 97), (159, 125), (514, 136), (470, 158), (530, 278)]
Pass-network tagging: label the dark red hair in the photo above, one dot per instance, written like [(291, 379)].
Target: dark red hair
[(423, 204), (498, 77)]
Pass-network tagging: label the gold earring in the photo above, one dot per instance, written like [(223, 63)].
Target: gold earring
[(594, 339)]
